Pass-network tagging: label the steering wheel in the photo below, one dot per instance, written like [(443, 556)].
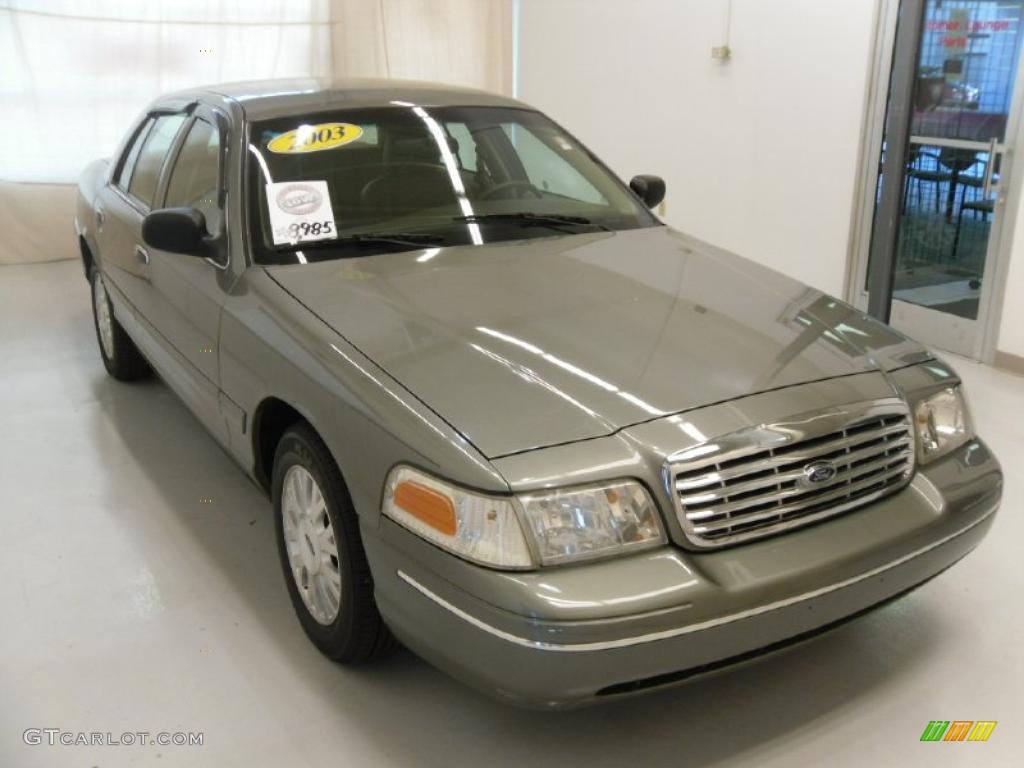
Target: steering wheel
[(519, 184)]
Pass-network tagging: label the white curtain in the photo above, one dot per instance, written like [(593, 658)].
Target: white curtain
[(75, 73)]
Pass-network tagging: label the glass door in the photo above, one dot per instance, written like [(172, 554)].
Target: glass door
[(951, 170)]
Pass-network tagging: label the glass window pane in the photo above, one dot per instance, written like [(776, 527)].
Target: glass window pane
[(466, 145), (128, 164), (195, 178), (969, 54), (445, 175), (147, 167), (546, 167)]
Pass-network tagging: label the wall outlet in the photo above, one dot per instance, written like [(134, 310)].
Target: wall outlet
[(721, 52)]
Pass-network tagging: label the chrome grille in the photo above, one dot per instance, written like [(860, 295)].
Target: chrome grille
[(757, 482)]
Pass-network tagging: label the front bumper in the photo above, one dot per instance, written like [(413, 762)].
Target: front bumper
[(564, 636)]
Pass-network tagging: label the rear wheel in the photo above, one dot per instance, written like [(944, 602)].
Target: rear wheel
[(121, 357), (328, 578)]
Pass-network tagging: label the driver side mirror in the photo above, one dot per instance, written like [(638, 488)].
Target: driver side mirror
[(650, 189), (178, 230)]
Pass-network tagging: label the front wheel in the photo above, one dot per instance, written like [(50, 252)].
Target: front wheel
[(329, 580), (121, 357)]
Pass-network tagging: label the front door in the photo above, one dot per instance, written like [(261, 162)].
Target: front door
[(188, 291), (952, 178)]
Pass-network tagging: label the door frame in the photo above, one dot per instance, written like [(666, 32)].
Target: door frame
[(1008, 191)]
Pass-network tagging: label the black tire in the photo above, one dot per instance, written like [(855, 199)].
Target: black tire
[(357, 634), (122, 360)]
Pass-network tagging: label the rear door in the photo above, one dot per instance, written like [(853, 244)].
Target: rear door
[(124, 202)]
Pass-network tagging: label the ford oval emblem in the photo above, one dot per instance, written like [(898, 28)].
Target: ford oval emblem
[(819, 472)]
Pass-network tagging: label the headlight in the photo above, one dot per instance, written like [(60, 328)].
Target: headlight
[(562, 526), (942, 423), (594, 521), (481, 528)]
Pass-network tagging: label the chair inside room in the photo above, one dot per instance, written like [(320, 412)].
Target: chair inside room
[(982, 207), (924, 169)]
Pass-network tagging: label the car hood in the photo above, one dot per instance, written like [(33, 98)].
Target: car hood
[(532, 343)]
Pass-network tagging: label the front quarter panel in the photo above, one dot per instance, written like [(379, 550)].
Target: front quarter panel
[(273, 347)]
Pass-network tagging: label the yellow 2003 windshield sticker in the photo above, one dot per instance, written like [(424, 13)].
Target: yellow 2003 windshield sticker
[(314, 138)]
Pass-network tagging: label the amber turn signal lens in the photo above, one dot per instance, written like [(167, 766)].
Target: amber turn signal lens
[(480, 527), (433, 508)]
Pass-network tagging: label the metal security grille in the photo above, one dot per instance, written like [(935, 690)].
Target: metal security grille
[(741, 492)]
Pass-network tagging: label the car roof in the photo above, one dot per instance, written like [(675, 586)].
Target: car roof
[(264, 99)]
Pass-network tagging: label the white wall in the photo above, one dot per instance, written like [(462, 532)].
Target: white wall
[(760, 152)]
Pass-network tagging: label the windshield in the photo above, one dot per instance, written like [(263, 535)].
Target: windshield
[(362, 181)]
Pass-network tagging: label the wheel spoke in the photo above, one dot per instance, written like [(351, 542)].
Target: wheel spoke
[(332, 585), (326, 537), (320, 598), (307, 489), (327, 564), (291, 513), (332, 590), (316, 501), (293, 489)]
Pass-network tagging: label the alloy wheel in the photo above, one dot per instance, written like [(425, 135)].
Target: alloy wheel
[(311, 544), (103, 320)]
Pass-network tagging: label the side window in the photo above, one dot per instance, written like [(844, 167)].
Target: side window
[(369, 137), (194, 180), (128, 163), (547, 170), (146, 173), (467, 144)]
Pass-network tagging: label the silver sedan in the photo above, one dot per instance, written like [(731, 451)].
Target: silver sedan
[(505, 415)]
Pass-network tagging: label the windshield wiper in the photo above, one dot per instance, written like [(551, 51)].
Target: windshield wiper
[(399, 238), (402, 238), (554, 220)]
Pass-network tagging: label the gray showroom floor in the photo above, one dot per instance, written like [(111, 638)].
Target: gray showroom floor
[(130, 603)]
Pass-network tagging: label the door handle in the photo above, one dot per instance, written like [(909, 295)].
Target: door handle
[(99, 218), (986, 192), (141, 255)]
